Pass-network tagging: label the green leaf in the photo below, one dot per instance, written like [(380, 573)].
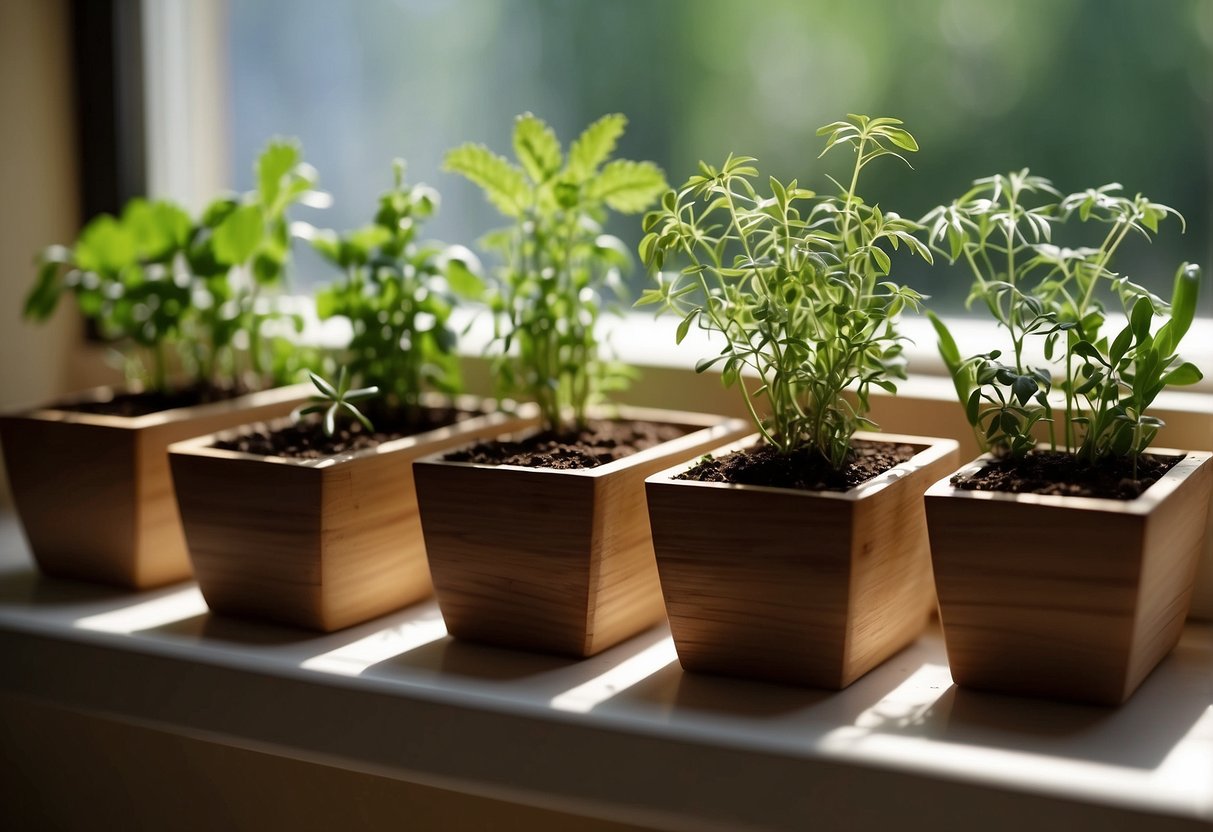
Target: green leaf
[(1139, 318), (684, 326), (277, 160), (239, 235), (595, 146), (44, 297), (463, 281), (537, 148), (105, 246), (1186, 373), (1183, 308), (503, 184), (626, 186), (900, 137)]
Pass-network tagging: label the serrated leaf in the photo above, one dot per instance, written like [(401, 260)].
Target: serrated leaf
[(626, 186), (503, 184), (595, 145), (537, 148)]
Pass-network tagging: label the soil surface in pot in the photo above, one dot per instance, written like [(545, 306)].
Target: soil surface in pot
[(154, 401), (804, 469), (602, 442), (307, 440), (1054, 472)]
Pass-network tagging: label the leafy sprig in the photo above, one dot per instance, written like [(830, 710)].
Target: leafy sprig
[(398, 295), (797, 285), (1002, 230), (334, 400), (557, 262)]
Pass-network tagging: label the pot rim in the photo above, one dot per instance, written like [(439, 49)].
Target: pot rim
[(708, 426), (930, 450), (484, 417), (1146, 502), (246, 401)]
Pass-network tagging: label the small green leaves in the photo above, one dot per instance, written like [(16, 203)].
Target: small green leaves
[(335, 399), (1034, 288), (794, 284), (558, 265)]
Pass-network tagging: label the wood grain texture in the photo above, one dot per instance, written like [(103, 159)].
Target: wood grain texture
[(554, 561), (94, 492), (322, 544), (810, 588), (1066, 597)]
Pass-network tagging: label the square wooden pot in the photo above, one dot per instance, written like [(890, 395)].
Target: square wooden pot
[(322, 544), (1066, 597), (94, 493), (806, 587), (548, 560)]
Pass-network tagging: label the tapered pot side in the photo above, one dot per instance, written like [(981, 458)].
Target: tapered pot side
[(94, 492), (549, 560), (805, 587), (1069, 598), (322, 544)]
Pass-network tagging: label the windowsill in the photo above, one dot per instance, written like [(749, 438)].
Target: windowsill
[(625, 735)]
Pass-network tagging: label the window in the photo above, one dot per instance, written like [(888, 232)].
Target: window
[(1083, 91)]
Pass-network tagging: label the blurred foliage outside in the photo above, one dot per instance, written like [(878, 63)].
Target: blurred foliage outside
[(1082, 91)]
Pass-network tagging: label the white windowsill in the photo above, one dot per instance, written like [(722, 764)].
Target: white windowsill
[(625, 735)]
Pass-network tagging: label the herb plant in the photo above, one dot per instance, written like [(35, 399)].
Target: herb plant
[(173, 292), (335, 399), (796, 285), (1003, 230), (556, 260), (397, 295)]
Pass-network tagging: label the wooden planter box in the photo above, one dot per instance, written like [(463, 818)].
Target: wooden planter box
[(94, 492), (547, 560), (322, 544), (1066, 597), (807, 587)]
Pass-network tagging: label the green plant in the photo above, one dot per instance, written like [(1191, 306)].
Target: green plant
[(796, 285), (557, 262), (173, 291), (1002, 230), (335, 399), (397, 295)]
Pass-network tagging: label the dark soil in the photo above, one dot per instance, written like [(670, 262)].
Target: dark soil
[(306, 440), (1054, 472), (604, 441), (154, 401), (803, 469)]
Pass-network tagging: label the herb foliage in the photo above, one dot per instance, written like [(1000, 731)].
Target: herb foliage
[(557, 262), (398, 295), (173, 291), (1003, 230), (796, 284)]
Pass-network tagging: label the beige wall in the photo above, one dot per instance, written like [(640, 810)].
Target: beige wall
[(39, 200)]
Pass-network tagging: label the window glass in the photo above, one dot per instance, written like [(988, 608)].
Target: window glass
[(1082, 91)]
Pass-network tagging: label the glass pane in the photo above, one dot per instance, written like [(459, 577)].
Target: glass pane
[(1082, 91)]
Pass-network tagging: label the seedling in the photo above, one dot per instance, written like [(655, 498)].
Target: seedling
[(556, 260), (398, 296), (335, 399), (797, 286), (1003, 230)]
